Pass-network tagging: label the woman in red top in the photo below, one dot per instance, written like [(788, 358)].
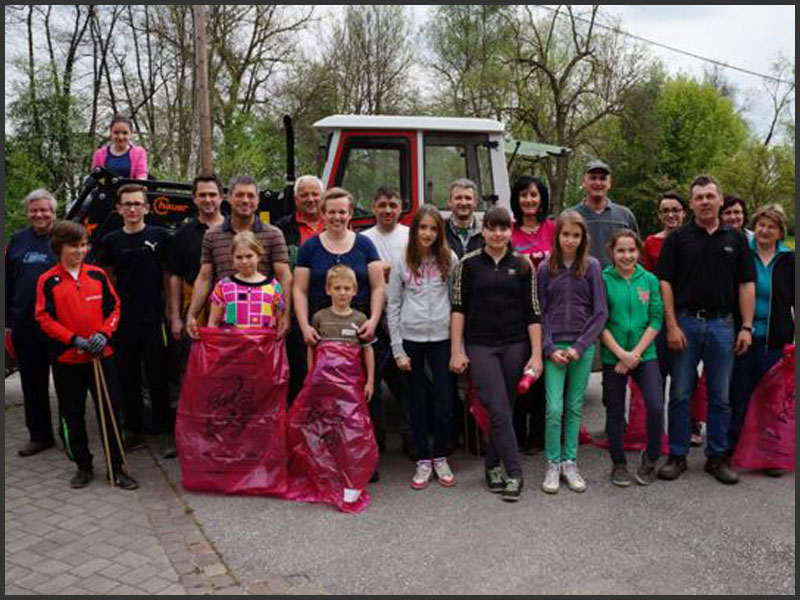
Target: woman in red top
[(671, 211), (78, 310)]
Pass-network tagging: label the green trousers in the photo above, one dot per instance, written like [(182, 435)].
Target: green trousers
[(554, 377)]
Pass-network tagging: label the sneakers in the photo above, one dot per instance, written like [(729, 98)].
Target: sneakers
[(723, 473), (646, 473), (512, 490), (443, 472), (673, 468), (32, 448), (124, 481), (82, 477), (570, 474), (375, 477), (620, 476), (551, 477), (422, 475), (495, 480), (774, 472)]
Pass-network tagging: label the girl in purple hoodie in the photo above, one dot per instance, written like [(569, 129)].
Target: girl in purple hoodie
[(573, 304)]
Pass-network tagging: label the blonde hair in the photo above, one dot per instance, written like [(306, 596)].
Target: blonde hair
[(556, 261), (775, 213), (249, 239), (337, 192), (340, 272)]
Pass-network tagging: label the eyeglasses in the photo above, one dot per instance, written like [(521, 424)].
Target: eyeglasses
[(133, 204), (671, 211)]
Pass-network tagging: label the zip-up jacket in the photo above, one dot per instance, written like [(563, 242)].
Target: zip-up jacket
[(66, 308), (780, 324), (419, 305), (633, 306), (457, 245), (498, 300), (574, 309)]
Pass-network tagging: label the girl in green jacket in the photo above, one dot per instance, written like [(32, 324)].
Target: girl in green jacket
[(635, 314)]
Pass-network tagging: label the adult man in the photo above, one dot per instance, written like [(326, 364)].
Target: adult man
[(184, 256), (705, 271), (135, 257), (28, 255), (602, 216), (297, 227), (216, 261), (462, 228), (390, 238)]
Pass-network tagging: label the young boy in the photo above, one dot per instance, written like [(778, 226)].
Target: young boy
[(78, 310)]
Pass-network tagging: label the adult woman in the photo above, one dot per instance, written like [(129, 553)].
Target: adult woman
[(734, 214), (531, 236), (774, 315), (671, 211), (337, 245), (121, 157), (496, 312)]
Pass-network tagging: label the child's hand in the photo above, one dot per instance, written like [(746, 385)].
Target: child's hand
[(560, 357), (283, 326), (572, 355), (630, 360), (620, 368), (368, 391), (459, 363), (403, 363)]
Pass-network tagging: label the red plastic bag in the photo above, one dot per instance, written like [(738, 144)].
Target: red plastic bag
[(699, 404), (330, 440), (12, 353), (230, 430), (767, 440), (476, 409)]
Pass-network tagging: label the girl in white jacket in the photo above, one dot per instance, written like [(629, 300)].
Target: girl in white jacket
[(419, 324)]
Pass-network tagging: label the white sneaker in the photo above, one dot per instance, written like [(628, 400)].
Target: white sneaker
[(422, 475), (552, 471), (569, 472), (443, 472)]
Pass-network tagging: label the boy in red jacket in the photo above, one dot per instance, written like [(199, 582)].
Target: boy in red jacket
[(78, 310)]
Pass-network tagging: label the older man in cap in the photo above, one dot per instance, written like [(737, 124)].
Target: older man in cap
[(602, 216)]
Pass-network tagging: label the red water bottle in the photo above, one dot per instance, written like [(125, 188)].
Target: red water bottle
[(526, 381)]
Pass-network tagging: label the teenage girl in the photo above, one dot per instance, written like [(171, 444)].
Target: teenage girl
[(121, 157), (573, 300), (635, 314), (247, 299), (419, 325)]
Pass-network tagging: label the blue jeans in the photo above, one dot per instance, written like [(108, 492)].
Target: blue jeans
[(712, 341), (748, 370)]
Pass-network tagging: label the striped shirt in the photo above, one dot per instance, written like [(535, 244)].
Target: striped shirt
[(216, 249), (249, 305)]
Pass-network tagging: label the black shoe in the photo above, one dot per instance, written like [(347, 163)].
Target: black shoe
[(774, 472), (124, 481), (717, 466), (82, 477), (375, 477), (673, 468), (32, 448), (496, 480), (512, 490), (620, 475), (646, 473), (132, 441)]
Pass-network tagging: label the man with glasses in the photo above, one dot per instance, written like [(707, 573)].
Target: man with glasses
[(135, 258)]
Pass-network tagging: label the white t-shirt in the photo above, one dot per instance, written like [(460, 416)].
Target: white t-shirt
[(391, 247)]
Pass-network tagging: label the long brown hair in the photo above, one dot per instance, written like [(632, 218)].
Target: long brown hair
[(440, 249), (556, 261)]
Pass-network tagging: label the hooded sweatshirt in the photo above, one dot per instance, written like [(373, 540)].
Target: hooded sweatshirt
[(633, 306)]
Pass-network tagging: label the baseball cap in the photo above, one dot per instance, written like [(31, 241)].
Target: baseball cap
[(597, 165)]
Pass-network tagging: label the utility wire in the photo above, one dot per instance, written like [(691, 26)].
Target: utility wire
[(670, 48)]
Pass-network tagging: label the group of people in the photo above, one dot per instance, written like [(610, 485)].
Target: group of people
[(518, 292)]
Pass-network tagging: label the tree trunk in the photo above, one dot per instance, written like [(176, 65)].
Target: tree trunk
[(201, 89)]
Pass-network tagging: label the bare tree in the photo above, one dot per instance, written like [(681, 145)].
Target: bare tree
[(781, 94)]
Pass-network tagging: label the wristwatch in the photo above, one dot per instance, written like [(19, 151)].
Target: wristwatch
[(748, 328)]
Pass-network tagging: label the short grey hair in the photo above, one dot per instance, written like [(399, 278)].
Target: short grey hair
[(308, 179), (465, 183), (40, 194), (775, 213), (242, 180)]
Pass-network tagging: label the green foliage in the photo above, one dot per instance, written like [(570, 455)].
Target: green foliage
[(252, 146)]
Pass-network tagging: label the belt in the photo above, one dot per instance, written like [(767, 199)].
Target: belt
[(707, 314)]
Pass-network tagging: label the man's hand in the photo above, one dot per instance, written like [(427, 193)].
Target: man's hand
[(743, 341), (676, 339), (368, 391), (403, 363), (367, 331), (310, 336), (191, 328), (459, 363), (176, 327)]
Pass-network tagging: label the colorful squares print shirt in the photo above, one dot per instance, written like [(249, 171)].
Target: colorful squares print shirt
[(249, 305)]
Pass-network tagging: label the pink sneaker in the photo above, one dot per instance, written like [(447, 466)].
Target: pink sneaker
[(443, 472)]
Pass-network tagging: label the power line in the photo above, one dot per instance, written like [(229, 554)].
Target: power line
[(670, 48)]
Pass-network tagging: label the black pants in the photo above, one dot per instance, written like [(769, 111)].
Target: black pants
[(296, 353), (135, 343), (386, 370), (72, 382), (529, 416), (34, 373)]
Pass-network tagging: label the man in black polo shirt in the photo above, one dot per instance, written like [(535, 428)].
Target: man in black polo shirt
[(706, 273), (184, 256)]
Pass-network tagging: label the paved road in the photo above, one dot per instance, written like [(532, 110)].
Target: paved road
[(690, 536)]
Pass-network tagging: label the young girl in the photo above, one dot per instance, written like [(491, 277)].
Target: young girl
[(574, 311), (247, 299), (121, 157), (496, 312), (635, 313), (419, 325)]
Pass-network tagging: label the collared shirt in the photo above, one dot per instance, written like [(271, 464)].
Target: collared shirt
[(704, 269), (306, 230), (216, 249), (604, 223), (463, 240)]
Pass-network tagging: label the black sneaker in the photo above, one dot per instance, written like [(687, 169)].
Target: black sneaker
[(82, 477), (512, 490), (717, 466), (673, 468), (132, 441), (375, 477), (773, 472), (495, 480), (646, 473), (620, 476), (124, 481), (32, 448)]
